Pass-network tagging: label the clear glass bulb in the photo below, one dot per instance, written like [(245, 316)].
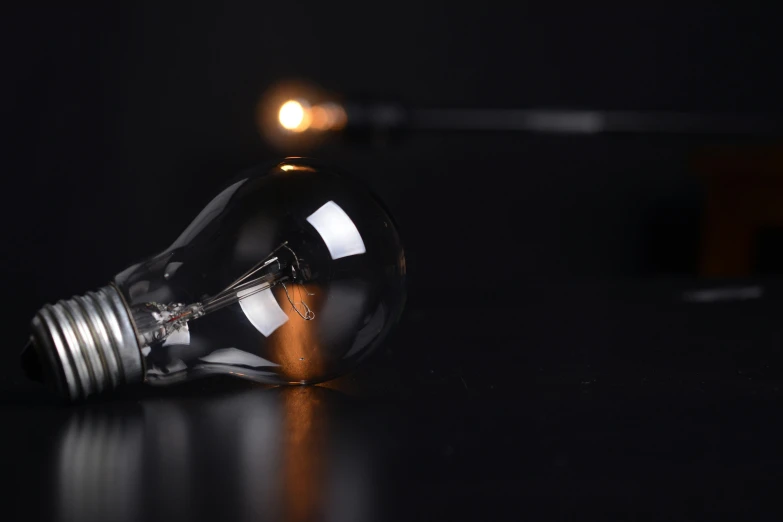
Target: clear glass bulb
[(292, 274)]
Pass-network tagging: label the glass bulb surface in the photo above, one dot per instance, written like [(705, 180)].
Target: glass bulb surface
[(292, 274)]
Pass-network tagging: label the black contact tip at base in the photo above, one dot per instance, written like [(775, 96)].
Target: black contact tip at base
[(31, 364)]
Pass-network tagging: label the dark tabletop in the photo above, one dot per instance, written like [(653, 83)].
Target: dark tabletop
[(612, 400)]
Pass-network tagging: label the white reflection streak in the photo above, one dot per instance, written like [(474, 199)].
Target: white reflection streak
[(713, 295), (234, 356), (179, 336), (340, 234), (99, 470), (262, 310)]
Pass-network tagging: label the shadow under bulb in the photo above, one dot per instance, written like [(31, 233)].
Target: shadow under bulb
[(290, 275)]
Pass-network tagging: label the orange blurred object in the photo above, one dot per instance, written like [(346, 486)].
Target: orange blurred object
[(744, 195), (294, 116)]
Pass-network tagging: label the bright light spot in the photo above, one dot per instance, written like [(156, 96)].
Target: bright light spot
[(340, 234), (289, 168), (179, 336), (294, 116), (261, 309)]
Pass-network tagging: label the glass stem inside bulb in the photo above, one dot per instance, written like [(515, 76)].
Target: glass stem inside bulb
[(156, 322)]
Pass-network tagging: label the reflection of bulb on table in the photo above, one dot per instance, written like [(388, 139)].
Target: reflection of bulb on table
[(291, 275), (290, 453)]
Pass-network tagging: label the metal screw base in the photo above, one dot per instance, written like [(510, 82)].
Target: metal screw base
[(87, 344)]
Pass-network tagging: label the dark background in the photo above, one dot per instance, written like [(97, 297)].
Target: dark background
[(546, 272), (121, 124)]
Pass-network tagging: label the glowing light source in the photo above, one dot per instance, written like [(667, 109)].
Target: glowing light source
[(294, 116)]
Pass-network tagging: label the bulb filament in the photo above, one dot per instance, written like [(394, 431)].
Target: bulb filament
[(270, 271)]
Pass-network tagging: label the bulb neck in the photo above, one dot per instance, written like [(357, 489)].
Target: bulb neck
[(86, 345)]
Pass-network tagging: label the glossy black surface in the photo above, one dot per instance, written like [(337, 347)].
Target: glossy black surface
[(600, 401)]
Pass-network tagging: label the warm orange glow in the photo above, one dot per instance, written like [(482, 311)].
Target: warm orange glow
[(320, 118), (304, 474), (298, 116), (290, 168), (339, 117), (295, 344), (328, 116), (294, 116)]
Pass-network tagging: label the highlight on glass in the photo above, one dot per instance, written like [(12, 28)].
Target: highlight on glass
[(291, 275)]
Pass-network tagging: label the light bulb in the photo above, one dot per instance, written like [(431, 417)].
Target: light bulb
[(291, 274), (294, 115), (297, 115)]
